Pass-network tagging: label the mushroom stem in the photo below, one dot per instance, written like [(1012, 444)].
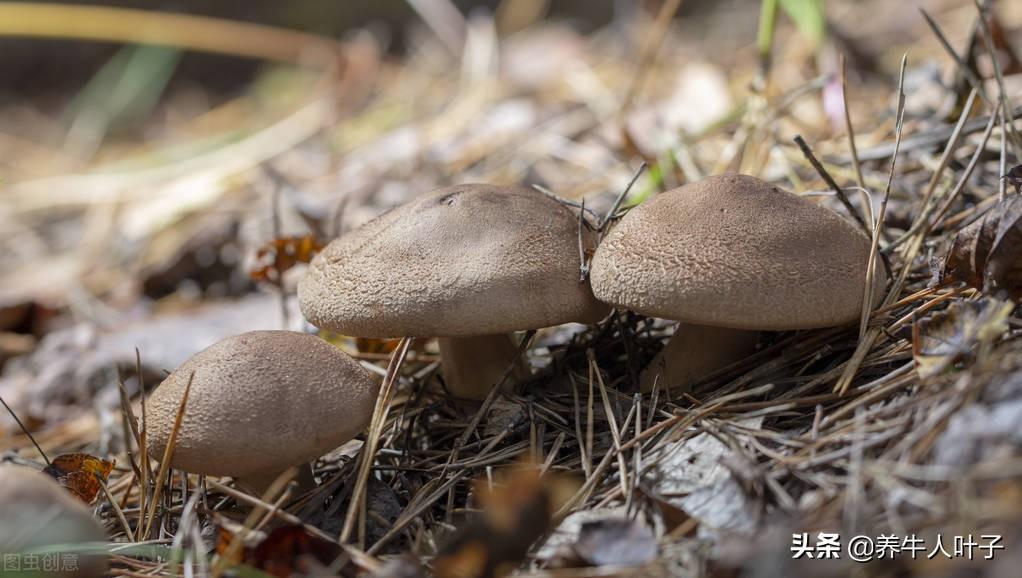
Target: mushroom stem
[(258, 484), (694, 352), (473, 365)]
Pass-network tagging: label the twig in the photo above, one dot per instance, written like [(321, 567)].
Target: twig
[(612, 213), (831, 183), (26, 432)]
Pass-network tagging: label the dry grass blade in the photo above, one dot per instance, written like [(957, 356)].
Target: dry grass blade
[(168, 453), (108, 24), (24, 430), (867, 338), (368, 453)]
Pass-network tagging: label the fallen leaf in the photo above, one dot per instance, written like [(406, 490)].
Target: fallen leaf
[(80, 473), (288, 550), (948, 337), (616, 542), (515, 512), (279, 255), (987, 254), (692, 475)]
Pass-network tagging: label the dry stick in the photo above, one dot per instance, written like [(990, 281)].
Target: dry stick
[(43, 20), (831, 183), (368, 453), (168, 453), (867, 340), (25, 430), (612, 213), (988, 43), (581, 206), (650, 50), (851, 134)]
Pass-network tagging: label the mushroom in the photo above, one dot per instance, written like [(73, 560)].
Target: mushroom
[(260, 403), (36, 516), (727, 255), (468, 264)]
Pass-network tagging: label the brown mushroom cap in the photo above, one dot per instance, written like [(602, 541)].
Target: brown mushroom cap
[(261, 402), (457, 262), (734, 251), (35, 512)]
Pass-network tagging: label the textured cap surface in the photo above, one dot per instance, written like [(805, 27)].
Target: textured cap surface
[(456, 262), (734, 251), (35, 512), (261, 402)]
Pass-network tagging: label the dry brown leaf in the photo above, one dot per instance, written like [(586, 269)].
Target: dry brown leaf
[(279, 255), (80, 473), (987, 254), (947, 337)]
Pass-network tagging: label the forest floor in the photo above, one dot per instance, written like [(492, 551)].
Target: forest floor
[(163, 239)]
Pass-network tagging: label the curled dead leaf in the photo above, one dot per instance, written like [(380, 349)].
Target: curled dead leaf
[(948, 337), (82, 474), (987, 254)]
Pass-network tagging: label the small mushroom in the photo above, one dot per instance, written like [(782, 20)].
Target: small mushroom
[(727, 255), (469, 264), (260, 403), (40, 519)]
